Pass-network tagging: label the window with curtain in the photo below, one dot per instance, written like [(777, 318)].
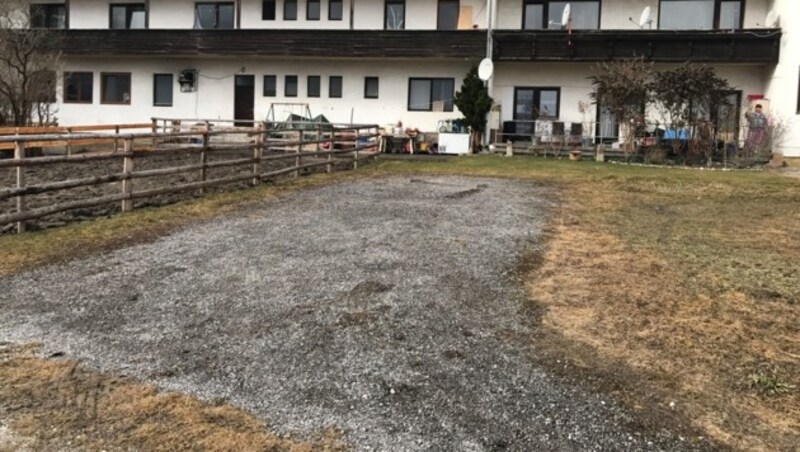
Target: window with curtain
[(128, 16), (395, 15), (115, 88), (214, 16)]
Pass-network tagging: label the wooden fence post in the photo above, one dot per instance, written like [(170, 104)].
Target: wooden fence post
[(204, 157), (155, 131), (127, 169), (69, 141), (116, 138), (355, 154), (297, 160), (19, 155), (257, 155), (331, 147)]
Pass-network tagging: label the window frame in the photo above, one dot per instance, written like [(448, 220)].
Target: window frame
[(430, 104), (171, 87), (103, 76), (47, 9), (64, 88), (308, 10), (386, 4), (217, 4), (309, 92), (330, 9), (538, 95), (128, 17), (286, 86), (366, 87), (545, 25), (798, 91), (264, 10), (274, 91), (439, 10), (331, 78), (286, 4), (717, 14)]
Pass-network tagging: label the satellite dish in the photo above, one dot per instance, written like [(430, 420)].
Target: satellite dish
[(486, 69), (566, 15), (644, 19), (772, 19)]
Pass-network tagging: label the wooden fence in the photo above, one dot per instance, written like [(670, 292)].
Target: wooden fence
[(305, 145)]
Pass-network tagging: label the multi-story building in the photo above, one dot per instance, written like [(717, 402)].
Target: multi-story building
[(386, 61)]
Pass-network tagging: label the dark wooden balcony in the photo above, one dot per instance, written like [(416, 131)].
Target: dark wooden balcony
[(741, 46), (278, 43)]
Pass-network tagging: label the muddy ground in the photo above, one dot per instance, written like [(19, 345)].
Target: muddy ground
[(388, 309)]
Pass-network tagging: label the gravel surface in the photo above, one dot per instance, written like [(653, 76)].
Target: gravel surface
[(387, 308)]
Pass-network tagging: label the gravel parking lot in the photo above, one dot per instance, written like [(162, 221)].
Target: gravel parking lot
[(387, 308)]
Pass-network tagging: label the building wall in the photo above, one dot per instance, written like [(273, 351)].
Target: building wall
[(782, 81), (214, 97), (573, 80)]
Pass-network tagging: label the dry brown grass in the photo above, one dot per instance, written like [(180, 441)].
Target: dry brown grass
[(677, 335), (55, 404)]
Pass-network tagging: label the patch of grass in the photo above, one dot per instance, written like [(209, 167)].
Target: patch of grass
[(770, 381), (56, 404)]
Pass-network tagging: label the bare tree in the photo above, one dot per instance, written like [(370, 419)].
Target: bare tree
[(624, 87), (29, 62)]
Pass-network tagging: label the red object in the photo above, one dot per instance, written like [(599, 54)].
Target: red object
[(755, 97)]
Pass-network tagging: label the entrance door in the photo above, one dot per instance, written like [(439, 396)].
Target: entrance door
[(607, 127), (244, 99), (533, 104), (726, 118)]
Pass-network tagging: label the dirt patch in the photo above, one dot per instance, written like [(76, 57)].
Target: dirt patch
[(55, 404), (667, 332)]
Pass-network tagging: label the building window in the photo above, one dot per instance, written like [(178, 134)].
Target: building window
[(290, 87), (214, 16), (115, 88), (585, 14), (313, 86), (371, 87), (533, 15), (270, 86), (128, 16), (531, 104), (313, 9), (335, 10), (395, 15), (289, 9), (447, 15), (162, 90), (700, 14), (78, 87), (730, 15), (268, 10), (430, 94), (48, 15), (335, 86)]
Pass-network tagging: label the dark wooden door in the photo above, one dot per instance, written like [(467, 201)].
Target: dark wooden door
[(244, 99)]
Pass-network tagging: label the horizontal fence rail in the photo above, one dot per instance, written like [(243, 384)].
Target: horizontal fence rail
[(302, 145), (729, 143)]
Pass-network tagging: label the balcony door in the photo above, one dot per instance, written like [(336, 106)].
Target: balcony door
[(244, 100)]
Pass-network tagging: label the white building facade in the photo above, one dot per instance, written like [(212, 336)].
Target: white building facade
[(390, 61)]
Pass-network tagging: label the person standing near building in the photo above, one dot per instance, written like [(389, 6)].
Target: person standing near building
[(757, 123)]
